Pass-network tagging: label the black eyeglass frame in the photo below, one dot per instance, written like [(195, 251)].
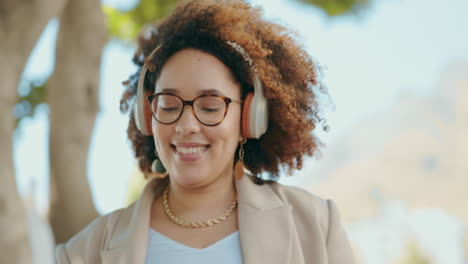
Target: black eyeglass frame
[(226, 100)]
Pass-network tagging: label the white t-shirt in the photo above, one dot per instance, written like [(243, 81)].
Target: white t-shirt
[(163, 250)]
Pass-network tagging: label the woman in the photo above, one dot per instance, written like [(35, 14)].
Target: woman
[(218, 90)]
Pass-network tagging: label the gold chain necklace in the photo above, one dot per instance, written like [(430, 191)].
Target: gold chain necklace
[(196, 224)]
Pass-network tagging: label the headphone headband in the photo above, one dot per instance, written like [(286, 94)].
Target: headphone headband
[(257, 111), (257, 83)]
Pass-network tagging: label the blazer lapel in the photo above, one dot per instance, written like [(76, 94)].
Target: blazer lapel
[(128, 242), (265, 224)]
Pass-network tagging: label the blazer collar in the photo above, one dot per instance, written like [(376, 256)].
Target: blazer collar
[(265, 227), (265, 224), (128, 240)]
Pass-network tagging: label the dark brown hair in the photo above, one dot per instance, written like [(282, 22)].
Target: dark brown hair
[(286, 70)]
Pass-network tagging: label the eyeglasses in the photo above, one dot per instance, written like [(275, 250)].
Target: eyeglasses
[(209, 109)]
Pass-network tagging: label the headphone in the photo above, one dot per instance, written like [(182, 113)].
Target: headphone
[(254, 108)]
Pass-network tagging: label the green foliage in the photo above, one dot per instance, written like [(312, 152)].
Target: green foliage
[(414, 256), (31, 96), (126, 25), (135, 187), (339, 7)]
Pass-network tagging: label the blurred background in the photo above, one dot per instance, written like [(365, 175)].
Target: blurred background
[(395, 159)]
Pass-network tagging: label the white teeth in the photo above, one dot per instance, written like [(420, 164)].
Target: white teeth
[(190, 150)]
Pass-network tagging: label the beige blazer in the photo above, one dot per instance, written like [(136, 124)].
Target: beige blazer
[(277, 225)]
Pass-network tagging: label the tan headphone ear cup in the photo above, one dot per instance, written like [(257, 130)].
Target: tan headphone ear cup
[(147, 114), (246, 115), (141, 111)]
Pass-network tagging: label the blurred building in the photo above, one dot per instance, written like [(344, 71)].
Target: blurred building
[(416, 154)]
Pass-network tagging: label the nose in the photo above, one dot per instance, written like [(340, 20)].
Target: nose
[(187, 123)]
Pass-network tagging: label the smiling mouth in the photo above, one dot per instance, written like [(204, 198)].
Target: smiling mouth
[(192, 150), (189, 153)]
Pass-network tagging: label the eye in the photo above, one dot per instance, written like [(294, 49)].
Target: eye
[(168, 103), (169, 109), (210, 104), (211, 109)]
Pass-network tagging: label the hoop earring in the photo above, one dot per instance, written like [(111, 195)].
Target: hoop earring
[(157, 168), (239, 168)]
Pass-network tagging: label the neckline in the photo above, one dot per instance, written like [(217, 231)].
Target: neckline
[(177, 244)]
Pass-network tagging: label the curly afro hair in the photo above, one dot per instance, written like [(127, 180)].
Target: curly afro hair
[(287, 72)]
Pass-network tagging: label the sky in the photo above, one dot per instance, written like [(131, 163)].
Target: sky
[(394, 48)]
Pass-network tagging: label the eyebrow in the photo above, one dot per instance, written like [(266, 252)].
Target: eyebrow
[(206, 91), (169, 90)]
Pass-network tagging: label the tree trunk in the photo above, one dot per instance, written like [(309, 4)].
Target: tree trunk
[(73, 101), (18, 39), (14, 240)]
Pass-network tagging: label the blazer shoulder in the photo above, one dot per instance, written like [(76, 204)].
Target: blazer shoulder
[(84, 247), (307, 207), (297, 196)]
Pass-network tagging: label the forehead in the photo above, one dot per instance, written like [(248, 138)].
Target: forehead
[(190, 72)]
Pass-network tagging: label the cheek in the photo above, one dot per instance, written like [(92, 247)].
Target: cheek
[(236, 125), (161, 134), (228, 131)]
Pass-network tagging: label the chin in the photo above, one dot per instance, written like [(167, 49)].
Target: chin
[(193, 177)]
